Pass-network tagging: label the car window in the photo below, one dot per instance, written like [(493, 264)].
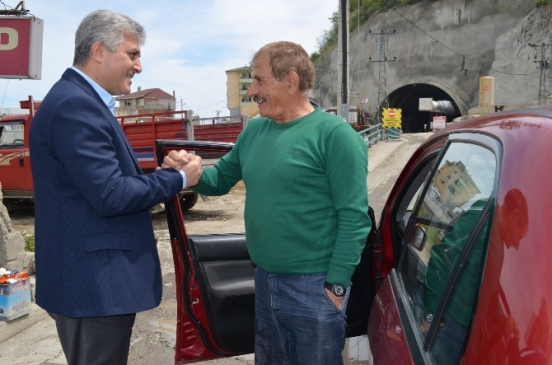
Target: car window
[(443, 251), (11, 134), (410, 196)]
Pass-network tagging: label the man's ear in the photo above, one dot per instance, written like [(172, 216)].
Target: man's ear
[(292, 80), (98, 51)]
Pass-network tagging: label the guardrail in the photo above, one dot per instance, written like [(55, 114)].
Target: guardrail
[(393, 134), (371, 135)]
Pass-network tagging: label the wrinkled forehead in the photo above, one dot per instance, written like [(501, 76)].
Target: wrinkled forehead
[(261, 65)]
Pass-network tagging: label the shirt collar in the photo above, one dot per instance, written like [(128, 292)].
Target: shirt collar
[(106, 97)]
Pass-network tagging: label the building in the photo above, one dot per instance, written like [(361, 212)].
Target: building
[(455, 184), (144, 101), (237, 83)]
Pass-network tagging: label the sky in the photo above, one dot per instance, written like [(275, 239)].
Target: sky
[(190, 43)]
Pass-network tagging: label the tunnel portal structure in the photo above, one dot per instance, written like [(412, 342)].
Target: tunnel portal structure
[(407, 98)]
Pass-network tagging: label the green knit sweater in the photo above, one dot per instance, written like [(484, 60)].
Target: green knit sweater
[(306, 194)]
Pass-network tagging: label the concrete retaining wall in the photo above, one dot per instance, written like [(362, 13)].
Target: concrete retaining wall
[(449, 44)]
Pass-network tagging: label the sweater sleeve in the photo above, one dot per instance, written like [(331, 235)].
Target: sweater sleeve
[(347, 169), (219, 179)]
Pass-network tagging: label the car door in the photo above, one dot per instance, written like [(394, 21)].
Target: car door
[(435, 230), (215, 285)]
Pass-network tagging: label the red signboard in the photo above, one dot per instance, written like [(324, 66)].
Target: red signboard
[(21, 47)]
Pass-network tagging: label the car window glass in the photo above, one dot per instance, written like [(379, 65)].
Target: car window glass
[(413, 191), (11, 134), (443, 253)]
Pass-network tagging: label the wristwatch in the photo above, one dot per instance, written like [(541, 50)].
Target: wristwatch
[(337, 290)]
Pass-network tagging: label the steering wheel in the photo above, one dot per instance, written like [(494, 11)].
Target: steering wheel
[(18, 141)]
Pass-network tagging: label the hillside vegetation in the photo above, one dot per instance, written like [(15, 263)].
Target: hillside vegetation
[(359, 12)]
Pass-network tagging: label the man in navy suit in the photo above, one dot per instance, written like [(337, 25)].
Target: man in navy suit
[(96, 259)]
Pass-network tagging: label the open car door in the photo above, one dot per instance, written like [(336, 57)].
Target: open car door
[(215, 280)]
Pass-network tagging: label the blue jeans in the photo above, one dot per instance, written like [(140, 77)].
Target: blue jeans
[(295, 321)]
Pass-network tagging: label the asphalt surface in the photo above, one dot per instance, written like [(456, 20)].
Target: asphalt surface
[(32, 339)]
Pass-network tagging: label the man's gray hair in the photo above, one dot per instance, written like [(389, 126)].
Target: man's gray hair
[(285, 57), (107, 27)]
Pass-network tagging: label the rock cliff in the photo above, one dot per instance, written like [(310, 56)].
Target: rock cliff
[(442, 49)]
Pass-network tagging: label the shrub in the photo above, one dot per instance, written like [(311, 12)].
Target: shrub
[(29, 243)]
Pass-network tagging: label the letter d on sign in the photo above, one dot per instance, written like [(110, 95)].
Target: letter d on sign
[(13, 39)]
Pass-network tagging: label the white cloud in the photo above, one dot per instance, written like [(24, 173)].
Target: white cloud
[(190, 43)]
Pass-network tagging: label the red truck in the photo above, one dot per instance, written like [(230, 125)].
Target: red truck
[(142, 131)]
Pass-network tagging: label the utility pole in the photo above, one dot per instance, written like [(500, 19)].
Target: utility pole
[(383, 100), (343, 62), (543, 63)]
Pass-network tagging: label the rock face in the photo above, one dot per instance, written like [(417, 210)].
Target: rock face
[(12, 244), (442, 49)]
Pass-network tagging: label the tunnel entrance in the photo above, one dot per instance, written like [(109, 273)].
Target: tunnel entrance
[(407, 98)]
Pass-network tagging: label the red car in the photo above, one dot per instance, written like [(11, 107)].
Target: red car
[(458, 270)]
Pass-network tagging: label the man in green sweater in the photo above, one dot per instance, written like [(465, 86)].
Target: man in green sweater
[(306, 210)]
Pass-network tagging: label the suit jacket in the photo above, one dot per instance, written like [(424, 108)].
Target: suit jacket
[(95, 247)]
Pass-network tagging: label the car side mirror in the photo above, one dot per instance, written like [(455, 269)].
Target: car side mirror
[(420, 238)]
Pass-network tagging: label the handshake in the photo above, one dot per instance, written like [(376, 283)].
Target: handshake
[(189, 163)]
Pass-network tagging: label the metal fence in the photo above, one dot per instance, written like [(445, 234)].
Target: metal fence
[(371, 135), (393, 134)]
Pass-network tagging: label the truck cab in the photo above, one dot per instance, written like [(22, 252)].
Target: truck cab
[(15, 163)]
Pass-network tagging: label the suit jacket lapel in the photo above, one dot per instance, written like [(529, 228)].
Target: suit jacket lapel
[(119, 129), (74, 77)]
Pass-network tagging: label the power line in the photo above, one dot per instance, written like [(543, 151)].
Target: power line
[(452, 50), (207, 106), (4, 96)]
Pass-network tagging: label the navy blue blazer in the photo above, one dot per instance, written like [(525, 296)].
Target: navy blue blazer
[(95, 247)]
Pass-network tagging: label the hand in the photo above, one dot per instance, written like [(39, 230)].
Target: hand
[(177, 159), (337, 301), (193, 170), (189, 163)]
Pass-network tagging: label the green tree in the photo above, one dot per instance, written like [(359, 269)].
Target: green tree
[(359, 12), (328, 38)]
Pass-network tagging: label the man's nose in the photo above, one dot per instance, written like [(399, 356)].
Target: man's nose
[(251, 90), (138, 66)]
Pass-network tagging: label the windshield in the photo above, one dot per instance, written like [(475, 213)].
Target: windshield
[(11, 134)]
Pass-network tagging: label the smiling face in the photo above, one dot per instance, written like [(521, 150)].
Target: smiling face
[(271, 95), (117, 68)]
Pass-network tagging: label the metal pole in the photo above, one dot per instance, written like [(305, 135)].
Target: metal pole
[(343, 69)]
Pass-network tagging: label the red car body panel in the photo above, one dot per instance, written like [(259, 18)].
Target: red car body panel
[(512, 322), (386, 332)]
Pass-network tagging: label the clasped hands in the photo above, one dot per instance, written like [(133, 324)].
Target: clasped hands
[(189, 163)]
